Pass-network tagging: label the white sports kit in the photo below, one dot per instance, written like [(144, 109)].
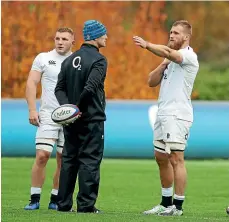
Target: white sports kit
[(175, 112), (49, 65)]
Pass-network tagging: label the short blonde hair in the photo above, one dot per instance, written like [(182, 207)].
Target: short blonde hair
[(65, 29), (185, 24)]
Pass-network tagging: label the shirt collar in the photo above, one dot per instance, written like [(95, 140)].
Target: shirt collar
[(90, 46)]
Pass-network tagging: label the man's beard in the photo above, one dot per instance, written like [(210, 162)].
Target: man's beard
[(175, 45)]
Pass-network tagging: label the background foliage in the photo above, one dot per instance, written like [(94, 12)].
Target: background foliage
[(28, 28)]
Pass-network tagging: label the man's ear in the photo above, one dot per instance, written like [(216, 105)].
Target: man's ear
[(187, 37)]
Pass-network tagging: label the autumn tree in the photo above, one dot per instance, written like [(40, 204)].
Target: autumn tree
[(28, 28)]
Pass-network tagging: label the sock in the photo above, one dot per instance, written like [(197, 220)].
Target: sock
[(167, 194), (35, 194), (178, 201), (54, 191), (35, 190), (53, 197)]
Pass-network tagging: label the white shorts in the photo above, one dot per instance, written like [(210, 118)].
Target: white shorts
[(45, 132), (170, 129)]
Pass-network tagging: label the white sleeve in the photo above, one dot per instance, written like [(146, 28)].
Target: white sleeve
[(38, 64), (190, 62), (189, 57)]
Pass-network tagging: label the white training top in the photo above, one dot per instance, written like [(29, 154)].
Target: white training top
[(49, 65), (176, 86)]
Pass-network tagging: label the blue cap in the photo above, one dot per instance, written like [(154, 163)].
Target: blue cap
[(93, 29)]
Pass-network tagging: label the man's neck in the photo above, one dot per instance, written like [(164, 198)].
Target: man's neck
[(65, 54), (185, 45), (92, 42)]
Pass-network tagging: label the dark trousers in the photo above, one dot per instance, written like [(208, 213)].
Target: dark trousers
[(82, 155)]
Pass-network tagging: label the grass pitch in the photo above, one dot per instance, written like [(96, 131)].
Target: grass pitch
[(127, 188)]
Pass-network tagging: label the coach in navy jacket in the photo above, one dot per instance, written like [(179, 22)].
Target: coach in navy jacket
[(81, 82)]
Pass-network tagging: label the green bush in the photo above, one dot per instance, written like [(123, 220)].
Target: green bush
[(211, 84)]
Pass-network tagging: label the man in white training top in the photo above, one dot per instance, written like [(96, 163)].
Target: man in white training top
[(46, 68), (176, 74)]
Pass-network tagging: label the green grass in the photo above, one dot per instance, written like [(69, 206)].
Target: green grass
[(127, 188)]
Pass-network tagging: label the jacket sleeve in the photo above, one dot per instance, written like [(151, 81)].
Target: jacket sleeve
[(61, 89), (95, 77)]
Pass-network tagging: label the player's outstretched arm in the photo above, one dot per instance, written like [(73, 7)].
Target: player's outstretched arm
[(159, 50), (30, 94)]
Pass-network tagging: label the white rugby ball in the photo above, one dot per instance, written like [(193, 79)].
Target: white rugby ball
[(65, 114)]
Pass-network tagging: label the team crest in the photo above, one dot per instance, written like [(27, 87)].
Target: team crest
[(52, 62)]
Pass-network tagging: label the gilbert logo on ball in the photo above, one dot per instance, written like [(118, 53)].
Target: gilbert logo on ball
[(65, 114), (58, 115)]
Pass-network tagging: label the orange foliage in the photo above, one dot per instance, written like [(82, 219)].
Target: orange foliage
[(28, 28)]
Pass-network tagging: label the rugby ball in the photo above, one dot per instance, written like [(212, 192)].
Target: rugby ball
[(65, 114)]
